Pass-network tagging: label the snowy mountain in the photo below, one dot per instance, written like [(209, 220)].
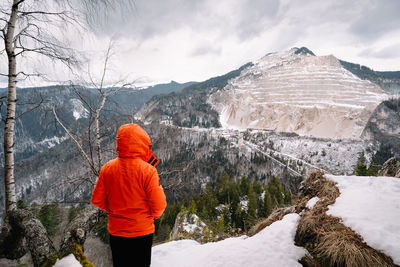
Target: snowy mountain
[(46, 158), (181, 125), (301, 93)]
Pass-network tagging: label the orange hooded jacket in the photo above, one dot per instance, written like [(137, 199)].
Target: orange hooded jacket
[(128, 187)]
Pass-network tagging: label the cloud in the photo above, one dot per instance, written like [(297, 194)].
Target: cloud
[(206, 49), (376, 18), (175, 39), (390, 51), (194, 40), (150, 18)]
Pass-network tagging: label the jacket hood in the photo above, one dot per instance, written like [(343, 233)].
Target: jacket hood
[(133, 142)]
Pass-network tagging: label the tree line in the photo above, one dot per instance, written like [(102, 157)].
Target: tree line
[(230, 205)]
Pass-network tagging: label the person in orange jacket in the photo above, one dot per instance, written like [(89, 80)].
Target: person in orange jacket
[(128, 190)]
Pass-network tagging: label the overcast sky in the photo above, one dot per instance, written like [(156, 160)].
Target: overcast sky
[(193, 40)]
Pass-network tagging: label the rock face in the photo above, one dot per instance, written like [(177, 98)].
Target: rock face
[(384, 126), (301, 93), (391, 168)]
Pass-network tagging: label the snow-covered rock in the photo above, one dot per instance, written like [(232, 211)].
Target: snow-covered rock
[(301, 93), (273, 246), (371, 207), (68, 261), (187, 225)]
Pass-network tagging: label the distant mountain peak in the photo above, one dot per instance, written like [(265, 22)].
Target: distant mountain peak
[(303, 51)]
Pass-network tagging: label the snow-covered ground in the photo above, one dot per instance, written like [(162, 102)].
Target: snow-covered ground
[(273, 246), (371, 207)]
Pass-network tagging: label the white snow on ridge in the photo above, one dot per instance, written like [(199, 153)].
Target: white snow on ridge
[(371, 207), (79, 111), (273, 246)]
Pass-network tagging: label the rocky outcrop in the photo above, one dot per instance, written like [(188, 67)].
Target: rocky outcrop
[(189, 226), (391, 168), (384, 126)]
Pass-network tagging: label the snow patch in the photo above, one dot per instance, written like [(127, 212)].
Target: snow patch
[(311, 203), (51, 142), (273, 246), (243, 204), (371, 207), (192, 224), (68, 261), (79, 111)]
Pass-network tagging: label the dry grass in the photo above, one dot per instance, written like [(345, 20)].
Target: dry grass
[(276, 215), (329, 242), (316, 185), (345, 248), (309, 261)]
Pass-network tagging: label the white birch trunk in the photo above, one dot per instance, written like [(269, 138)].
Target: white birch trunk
[(98, 137), (11, 106)]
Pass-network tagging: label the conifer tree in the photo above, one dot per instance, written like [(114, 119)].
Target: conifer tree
[(244, 186), (276, 190), (267, 203), (251, 208)]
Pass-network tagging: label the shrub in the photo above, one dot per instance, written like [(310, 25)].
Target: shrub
[(73, 213), (101, 230), (49, 216)]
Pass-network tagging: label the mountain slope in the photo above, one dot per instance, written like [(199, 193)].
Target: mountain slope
[(48, 165), (188, 108), (387, 80), (298, 92)]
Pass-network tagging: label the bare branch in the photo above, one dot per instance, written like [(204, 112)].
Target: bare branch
[(50, 49), (174, 171), (26, 13), (105, 67), (81, 97), (80, 148), (29, 74), (31, 109), (17, 3), (90, 135)]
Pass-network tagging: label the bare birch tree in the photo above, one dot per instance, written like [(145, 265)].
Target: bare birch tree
[(24, 29), (94, 155)]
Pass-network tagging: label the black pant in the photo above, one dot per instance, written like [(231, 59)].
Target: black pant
[(131, 251)]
